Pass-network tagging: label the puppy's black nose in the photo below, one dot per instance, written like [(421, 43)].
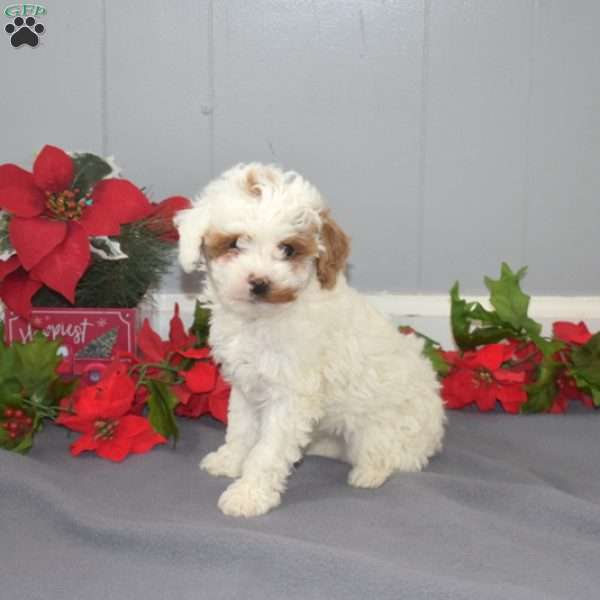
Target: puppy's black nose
[(259, 286)]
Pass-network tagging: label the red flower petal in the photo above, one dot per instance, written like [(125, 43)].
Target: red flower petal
[(16, 291), (53, 169), (115, 449), (25, 236), (177, 334), (196, 406), (110, 398), (182, 393), (491, 356), (457, 389), (201, 377), (23, 200), (508, 376), (9, 265), (75, 423), (162, 216), (115, 202), (132, 425), (485, 398), (12, 175), (219, 404), (195, 353), (149, 342), (573, 333), (511, 397), (84, 443), (62, 269)]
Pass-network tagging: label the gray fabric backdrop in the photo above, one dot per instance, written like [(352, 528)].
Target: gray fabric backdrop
[(509, 510)]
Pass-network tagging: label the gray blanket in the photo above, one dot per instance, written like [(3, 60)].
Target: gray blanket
[(509, 510)]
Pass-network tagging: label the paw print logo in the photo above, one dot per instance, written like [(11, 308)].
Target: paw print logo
[(24, 31)]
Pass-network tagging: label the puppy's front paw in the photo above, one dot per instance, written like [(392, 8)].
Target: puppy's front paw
[(223, 462), (245, 499), (365, 477)]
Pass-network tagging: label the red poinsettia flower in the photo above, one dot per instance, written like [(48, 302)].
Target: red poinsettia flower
[(156, 350), (567, 392), (572, 333), (203, 390), (482, 378), (214, 402), (161, 220), (101, 416), (526, 357), (45, 206)]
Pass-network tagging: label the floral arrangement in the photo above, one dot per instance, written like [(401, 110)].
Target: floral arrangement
[(502, 357), (74, 233), (131, 409)]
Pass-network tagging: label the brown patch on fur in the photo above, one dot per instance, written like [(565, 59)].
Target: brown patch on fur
[(337, 249), (217, 244), (280, 296), (254, 179), (304, 244)]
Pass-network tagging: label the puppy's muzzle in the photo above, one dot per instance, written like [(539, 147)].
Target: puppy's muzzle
[(259, 286)]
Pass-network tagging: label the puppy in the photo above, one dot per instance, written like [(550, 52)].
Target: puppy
[(314, 368)]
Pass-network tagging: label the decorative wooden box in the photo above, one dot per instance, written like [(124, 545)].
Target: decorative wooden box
[(89, 336)]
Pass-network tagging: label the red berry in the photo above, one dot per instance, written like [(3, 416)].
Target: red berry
[(9, 412), (29, 421), (12, 426), (18, 413), (12, 435)]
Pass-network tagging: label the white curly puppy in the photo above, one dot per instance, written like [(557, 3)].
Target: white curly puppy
[(314, 368)]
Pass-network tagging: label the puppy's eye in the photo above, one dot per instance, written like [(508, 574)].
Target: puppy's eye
[(288, 250), (233, 244)]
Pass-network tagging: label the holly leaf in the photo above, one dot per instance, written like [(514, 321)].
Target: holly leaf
[(585, 367), (201, 325), (510, 302), (89, 170), (541, 394), (434, 354), (35, 364), (161, 405), (61, 388), (463, 316), (432, 350)]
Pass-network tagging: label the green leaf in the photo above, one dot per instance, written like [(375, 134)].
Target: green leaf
[(201, 325), (24, 444), (585, 367), (510, 302), (89, 170), (35, 364), (431, 350), (541, 394), (161, 404), (464, 314), (434, 354)]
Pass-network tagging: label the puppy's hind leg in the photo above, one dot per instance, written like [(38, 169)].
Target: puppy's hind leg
[(376, 451)]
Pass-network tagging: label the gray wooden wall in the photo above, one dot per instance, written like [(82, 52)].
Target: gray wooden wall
[(448, 135)]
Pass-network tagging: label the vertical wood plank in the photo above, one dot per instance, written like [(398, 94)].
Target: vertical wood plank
[(52, 93), (564, 185), (158, 93), (331, 89), (477, 78)]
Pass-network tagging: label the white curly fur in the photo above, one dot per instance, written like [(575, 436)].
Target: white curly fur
[(322, 374)]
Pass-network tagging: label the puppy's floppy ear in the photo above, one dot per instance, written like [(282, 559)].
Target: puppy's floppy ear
[(334, 253), (191, 225)]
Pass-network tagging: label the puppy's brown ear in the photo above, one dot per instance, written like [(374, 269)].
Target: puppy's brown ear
[(333, 257)]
